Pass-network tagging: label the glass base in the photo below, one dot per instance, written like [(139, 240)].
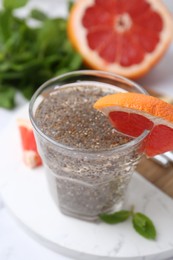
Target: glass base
[(94, 218)]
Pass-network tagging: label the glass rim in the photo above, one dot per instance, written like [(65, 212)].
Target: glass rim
[(130, 144)]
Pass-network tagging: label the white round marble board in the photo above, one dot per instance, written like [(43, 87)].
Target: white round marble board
[(26, 195)]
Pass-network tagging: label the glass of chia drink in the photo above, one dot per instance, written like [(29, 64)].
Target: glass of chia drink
[(88, 163)]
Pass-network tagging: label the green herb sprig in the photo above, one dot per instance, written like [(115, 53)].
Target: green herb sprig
[(31, 55), (142, 224)]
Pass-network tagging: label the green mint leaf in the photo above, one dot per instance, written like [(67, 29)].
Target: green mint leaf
[(117, 217), (7, 96), (38, 15), (70, 4), (144, 226), (27, 51), (28, 91), (13, 4)]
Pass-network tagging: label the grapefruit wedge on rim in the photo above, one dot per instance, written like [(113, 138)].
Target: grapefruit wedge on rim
[(132, 113), (127, 37)]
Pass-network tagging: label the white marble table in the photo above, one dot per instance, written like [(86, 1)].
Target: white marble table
[(15, 243)]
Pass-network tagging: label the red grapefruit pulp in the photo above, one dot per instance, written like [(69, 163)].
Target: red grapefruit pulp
[(30, 153), (123, 36)]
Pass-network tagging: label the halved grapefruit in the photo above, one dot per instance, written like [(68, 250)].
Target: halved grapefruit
[(31, 156), (132, 113), (127, 37)]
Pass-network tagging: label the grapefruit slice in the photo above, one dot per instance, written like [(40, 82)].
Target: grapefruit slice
[(30, 154), (124, 37), (132, 113)]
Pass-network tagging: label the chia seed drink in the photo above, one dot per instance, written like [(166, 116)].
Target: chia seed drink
[(88, 164)]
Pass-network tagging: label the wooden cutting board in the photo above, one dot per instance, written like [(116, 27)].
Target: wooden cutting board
[(158, 175)]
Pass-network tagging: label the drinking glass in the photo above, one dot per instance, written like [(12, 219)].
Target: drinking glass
[(85, 183)]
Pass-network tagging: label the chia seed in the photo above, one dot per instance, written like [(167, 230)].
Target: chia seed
[(68, 117), (91, 177)]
